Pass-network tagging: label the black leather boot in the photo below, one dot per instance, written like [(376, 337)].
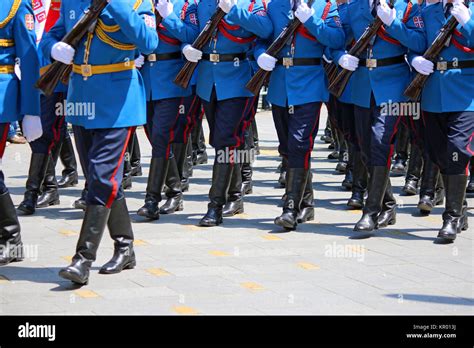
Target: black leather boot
[(235, 202), (428, 190), (174, 195), (378, 182), (11, 247), (38, 166), (92, 229), (188, 163), (183, 159), (296, 181), (81, 203), (199, 144), (388, 216), (401, 157), (135, 157), (283, 169), (359, 185), (470, 186), (343, 158), (255, 137), (127, 172), (67, 155), (349, 178), (327, 136), (463, 221), (455, 187), (221, 176), (120, 228), (247, 183), (156, 181), (50, 194), (306, 212), (415, 166)]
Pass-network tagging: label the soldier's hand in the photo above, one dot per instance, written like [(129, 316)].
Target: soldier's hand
[(139, 61), (63, 52), (165, 8), (461, 13), (423, 65), (266, 62), (192, 54), (32, 128), (349, 62), (303, 12), (385, 13), (226, 5)]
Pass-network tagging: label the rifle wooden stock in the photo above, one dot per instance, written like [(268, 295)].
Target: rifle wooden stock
[(256, 82), (158, 19), (339, 84), (331, 70), (415, 88), (56, 72), (186, 73)]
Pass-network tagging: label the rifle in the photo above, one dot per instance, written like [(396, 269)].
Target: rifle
[(256, 82), (186, 73), (415, 88), (331, 70), (58, 71), (339, 84)]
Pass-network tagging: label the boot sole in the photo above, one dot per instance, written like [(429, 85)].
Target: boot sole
[(16, 259), (171, 211), (302, 221), (424, 208), (72, 184), (130, 265), (356, 206), (390, 223), (148, 216), (217, 223), (49, 204), (287, 226), (230, 214), (72, 277), (410, 192), (26, 211)]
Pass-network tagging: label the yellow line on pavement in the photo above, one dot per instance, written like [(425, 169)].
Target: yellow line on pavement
[(158, 272), (185, 310), (252, 286), (86, 293), (308, 266)]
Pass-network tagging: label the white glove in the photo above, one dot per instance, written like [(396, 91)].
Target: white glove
[(192, 54), (303, 12), (423, 65), (266, 62), (32, 128), (139, 61), (349, 62), (165, 8), (461, 13), (63, 52), (226, 5), (385, 13)]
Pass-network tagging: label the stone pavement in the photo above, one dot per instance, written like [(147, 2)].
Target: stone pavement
[(247, 265)]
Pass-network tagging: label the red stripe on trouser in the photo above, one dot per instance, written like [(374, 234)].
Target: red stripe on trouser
[(171, 138), (189, 120), (471, 151), (236, 136), (3, 139), (311, 140), (392, 146), (113, 195)]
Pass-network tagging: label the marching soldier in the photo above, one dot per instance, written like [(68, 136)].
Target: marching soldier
[(222, 74), (18, 101), (450, 116), (470, 186), (380, 77), (104, 57), (297, 89), (167, 102)]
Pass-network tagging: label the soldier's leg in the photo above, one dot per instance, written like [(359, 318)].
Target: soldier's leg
[(470, 186), (40, 155), (127, 165), (401, 152), (280, 119), (347, 126), (303, 122), (136, 156), (105, 173), (165, 115), (68, 159), (83, 144), (11, 247)]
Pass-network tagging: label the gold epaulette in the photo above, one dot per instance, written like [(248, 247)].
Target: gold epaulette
[(11, 14)]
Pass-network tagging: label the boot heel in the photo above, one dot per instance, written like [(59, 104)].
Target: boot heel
[(131, 265)]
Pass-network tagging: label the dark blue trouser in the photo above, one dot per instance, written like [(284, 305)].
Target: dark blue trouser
[(101, 152), (226, 120), (297, 127), (4, 129), (450, 140), (376, 134), (346, 122), (187, 120), (162, 117), (54, 126)]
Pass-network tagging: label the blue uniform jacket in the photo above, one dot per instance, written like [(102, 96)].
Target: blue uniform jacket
[(405, 33), (230, 78), (453, 90), (118, 98), (302, 84), (18, 44), (173, 31), (346, 96)]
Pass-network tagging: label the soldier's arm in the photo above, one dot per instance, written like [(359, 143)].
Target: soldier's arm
[(468, 31), (345, 19), (327, 31), (255, 21), (26, 50), (54, 35), (260, 47), (186, 30), (412, 33), (133, 25)]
